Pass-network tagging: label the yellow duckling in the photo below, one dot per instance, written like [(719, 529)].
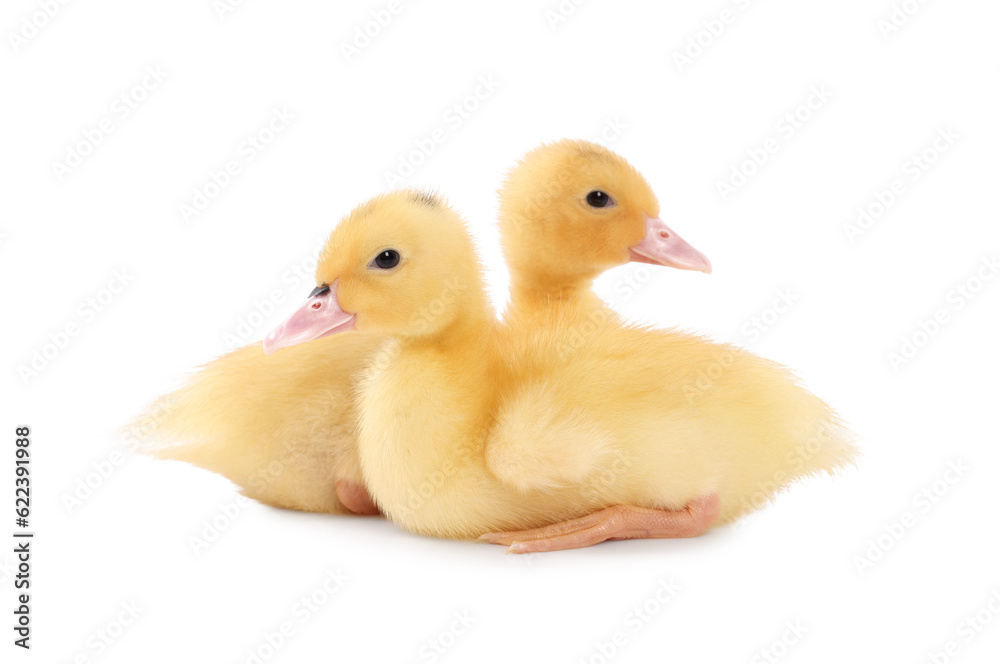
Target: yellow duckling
[(450, 411), (569, 211)]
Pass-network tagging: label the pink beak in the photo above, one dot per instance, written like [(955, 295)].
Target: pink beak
[(662, 246), (320, 316)]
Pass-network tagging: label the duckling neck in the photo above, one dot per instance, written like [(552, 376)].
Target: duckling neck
[(528, 296), (467, 333), (527, 289)]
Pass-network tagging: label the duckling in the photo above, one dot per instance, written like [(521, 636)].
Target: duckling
[(640, 459), (569, 211), (404, 267)]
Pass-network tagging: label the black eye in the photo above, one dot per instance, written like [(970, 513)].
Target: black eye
[(599, 199), (387, 260)]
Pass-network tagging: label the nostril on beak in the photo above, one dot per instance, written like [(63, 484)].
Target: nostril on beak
[(664, 234), (317, 305)]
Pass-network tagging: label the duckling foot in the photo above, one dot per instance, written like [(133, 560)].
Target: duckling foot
[(613, 523), (355, 497)]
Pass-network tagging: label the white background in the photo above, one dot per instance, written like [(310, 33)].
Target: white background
[(829, 573)]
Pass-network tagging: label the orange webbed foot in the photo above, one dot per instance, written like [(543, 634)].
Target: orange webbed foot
[(356, 498), (613, 523)]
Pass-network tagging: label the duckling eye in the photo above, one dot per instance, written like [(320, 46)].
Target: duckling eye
[(386, 260), (599, 199)]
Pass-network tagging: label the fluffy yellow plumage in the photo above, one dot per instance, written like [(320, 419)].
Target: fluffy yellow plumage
[(282, 427), (428, 405)]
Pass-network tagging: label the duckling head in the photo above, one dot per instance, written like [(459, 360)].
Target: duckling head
[(573, 209), (402, 264)]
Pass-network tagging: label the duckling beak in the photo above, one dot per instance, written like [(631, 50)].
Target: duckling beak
[(662, 246), (320, 316)]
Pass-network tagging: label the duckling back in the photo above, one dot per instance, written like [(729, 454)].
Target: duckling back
[(282, 427), (677, 415)]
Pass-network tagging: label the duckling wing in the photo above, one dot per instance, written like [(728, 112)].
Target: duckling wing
[(542, 442)]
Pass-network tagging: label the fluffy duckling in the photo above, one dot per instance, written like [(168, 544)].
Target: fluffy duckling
[(282, 427), (569, 211)]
